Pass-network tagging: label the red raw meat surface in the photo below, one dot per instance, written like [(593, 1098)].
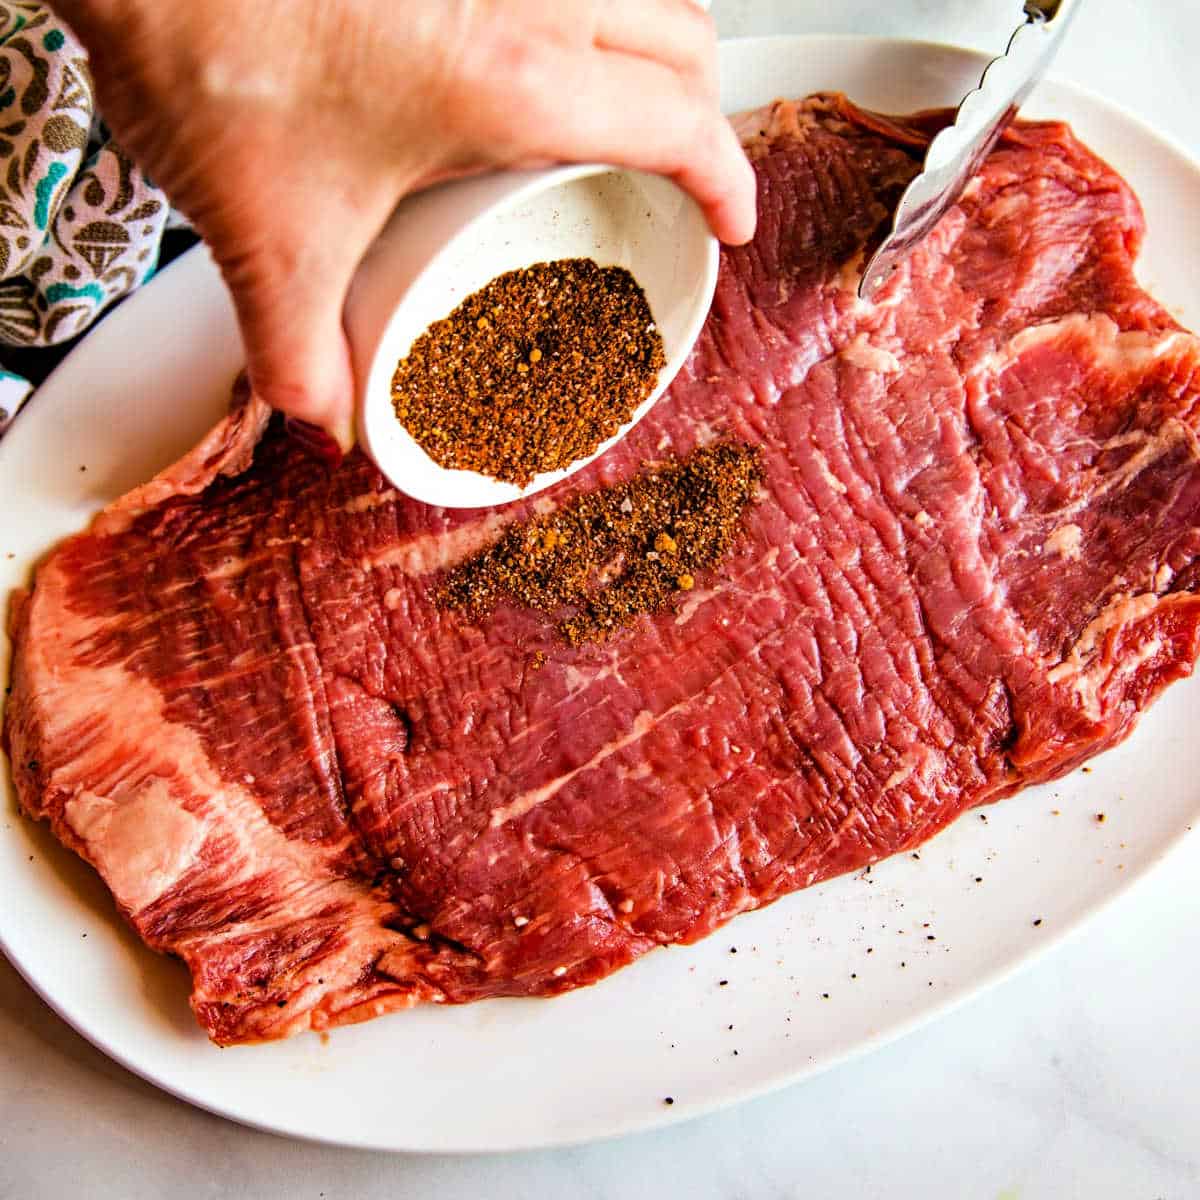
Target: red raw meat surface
[(973, 563)]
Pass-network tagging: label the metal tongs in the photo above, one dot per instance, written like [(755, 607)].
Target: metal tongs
[(958, 151)]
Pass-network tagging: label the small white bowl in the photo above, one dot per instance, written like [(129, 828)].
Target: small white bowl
[(446, 243)]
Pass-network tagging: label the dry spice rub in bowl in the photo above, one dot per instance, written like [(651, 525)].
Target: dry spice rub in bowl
[(532, 372), (464, 406)]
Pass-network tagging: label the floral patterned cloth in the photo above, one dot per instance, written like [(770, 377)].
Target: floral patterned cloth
[(80, 225)]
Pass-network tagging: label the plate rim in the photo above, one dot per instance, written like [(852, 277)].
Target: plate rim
[(1053, 78), (728, 1095)]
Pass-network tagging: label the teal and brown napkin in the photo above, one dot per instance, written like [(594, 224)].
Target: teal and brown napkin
[(80, 225)]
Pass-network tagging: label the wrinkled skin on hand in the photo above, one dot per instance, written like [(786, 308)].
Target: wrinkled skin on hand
[(287, 130)]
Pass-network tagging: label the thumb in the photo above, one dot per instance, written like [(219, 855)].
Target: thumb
[(289, 295)]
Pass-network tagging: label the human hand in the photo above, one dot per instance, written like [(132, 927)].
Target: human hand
[(287, 130)]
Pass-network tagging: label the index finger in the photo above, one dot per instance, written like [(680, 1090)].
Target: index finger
[(580, 106)]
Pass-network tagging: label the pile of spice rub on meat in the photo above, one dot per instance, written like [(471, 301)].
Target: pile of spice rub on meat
[(864, 566)]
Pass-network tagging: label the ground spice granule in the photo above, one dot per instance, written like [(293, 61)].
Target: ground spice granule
[(532, 372), (594, 565)]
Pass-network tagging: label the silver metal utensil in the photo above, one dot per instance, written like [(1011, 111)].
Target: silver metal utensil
[(957, 152)]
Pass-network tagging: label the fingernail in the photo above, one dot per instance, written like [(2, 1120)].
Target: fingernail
[(315, 441)]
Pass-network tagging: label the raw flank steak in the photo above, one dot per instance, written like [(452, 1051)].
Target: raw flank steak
[(972, 560)]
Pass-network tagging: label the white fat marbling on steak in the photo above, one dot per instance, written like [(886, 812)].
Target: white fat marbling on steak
[(431, 552), (141, 839)]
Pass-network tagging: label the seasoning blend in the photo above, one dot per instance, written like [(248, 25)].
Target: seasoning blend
[(608, 556), (532, 372)]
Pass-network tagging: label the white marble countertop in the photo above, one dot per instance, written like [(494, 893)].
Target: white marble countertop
[(1080, 1077)]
